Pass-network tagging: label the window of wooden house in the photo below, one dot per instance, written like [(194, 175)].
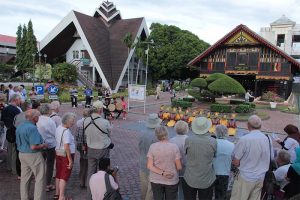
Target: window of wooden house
[(242, 59), (266, 67), (280, 39), (253, 60), (230, 60), (203, 66)]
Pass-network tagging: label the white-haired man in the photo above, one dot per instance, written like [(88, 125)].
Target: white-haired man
[(252, 157), (97, 131)]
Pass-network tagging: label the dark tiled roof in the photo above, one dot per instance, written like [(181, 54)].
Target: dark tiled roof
[(251, 33)]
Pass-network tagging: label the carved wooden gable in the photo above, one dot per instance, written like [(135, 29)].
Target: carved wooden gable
[(241, 38)]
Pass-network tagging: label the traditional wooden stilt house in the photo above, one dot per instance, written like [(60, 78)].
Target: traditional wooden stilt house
[(253, 61)]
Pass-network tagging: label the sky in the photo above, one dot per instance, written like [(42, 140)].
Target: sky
[(210, 20)]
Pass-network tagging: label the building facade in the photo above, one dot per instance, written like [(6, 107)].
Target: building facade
[(253, 61), (7, 49), (94, 44), (285, 34)]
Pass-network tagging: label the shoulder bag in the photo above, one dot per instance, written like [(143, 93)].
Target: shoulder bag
[(61, 152), (269, 185), (111, 194)]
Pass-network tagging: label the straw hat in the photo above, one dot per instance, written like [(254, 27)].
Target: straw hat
[(153, 121), (98, 104), (201, 125)]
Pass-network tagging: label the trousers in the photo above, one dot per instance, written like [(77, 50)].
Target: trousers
[(146, 190)]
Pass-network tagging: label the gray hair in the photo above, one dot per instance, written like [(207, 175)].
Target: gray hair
[(181, 127), (54, 105), (255, 122), (161, 133), (44, 109), (30, 114), (86, 112), (15, 97), (284, 156), (221, 131), (67, 117)]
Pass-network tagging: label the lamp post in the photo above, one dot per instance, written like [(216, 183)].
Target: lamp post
[(45, 56), (33, 68)]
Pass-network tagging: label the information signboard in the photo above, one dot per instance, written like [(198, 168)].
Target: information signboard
[(137, 92)]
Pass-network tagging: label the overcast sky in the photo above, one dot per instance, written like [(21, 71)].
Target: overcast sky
[(209, 19)]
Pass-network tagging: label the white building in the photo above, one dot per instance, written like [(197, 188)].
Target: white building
[(285, 34)]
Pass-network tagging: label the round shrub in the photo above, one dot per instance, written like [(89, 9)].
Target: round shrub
[(199, 82), (215, 76), (226, 85)]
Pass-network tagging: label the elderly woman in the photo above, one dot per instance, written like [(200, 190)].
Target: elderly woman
[(54, 106), (181, 128), (82, 147), (222, 162), (164, 164), (65, 150)]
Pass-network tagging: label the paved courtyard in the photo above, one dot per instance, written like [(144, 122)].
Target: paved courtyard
[(125, 154)]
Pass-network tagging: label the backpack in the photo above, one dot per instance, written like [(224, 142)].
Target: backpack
[(111, 194)]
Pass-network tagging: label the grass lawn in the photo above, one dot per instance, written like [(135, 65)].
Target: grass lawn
[(245, 116), (282, 108)]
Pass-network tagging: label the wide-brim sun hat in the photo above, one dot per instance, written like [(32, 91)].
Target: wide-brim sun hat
[(98, 104), (153, 121), (201, 125)]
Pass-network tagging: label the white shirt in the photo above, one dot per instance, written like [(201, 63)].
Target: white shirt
[(179, 140), (222, 161), (10, 94), (280, 175), (68, 138), (98, 187), (47, 129), (254, 154), (290, 145)]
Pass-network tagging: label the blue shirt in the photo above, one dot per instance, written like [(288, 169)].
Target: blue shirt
[(222, 161), (88, 92), (27, 134)]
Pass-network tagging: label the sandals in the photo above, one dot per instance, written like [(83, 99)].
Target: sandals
[(50, 188)]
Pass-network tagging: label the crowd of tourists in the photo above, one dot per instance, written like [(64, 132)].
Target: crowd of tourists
[(41, 145), (200, 166)]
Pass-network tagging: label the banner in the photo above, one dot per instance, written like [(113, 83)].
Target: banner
[(137, 92)]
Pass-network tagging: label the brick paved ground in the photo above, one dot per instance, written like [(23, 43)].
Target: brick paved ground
[(125, 154)]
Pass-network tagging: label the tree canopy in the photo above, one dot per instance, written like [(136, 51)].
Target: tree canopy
[(172, 50), (64, 73)]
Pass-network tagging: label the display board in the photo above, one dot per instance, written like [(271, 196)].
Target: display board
[(137, 92)]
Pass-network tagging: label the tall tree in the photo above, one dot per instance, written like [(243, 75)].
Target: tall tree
[(19, 46), (23, 50), (173, 49), (31, 46), (128, 41)]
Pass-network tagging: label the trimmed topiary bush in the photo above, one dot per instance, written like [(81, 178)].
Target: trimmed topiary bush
[(181, 103), (226, 85), (199, 82), (242, 108), (215, 76), (252, 105), (222, 108), (195, 94)]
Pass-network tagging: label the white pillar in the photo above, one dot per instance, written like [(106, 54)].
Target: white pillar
[(94, 75)]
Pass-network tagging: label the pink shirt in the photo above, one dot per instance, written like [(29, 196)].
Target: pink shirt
[(98, 187), (164, 155)]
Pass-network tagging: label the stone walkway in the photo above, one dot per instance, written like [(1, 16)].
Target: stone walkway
[(125, 154)]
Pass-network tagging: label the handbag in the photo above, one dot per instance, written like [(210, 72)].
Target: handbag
[(111, 194), (269, 184), (61, 152)]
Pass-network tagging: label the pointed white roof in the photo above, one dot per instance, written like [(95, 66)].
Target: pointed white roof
[(283, 20)]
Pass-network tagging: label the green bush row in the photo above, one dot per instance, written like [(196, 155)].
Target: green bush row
[(221, 108), (181, 103), (242, 108), (188, 99)]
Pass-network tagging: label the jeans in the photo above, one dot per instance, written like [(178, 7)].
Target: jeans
[(164, 192), (190, 193)]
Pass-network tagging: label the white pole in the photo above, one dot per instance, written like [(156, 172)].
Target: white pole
[(128, 81), (146, 79)]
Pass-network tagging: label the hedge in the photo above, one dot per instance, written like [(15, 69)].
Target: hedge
[(242, 108), (236, 101), (252, 105), (181, 103), (188, 99), (222, 108)]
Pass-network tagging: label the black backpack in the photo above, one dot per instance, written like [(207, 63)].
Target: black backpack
[(111, 194)]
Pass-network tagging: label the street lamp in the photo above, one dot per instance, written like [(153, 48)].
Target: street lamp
[(45, 56), (147, 52), (33, 68)]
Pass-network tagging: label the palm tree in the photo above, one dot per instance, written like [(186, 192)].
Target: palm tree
[(128, 41)]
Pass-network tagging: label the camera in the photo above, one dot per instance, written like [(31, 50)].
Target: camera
[(114, 169)]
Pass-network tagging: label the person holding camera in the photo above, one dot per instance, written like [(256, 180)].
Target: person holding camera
[(97, 131), (97, 180)]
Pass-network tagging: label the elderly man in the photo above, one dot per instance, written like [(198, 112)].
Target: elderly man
[(8, 115), (283, 162), (30, 144), (252, 157), (146, 139), (97, 131), (47, 128), (54, 106), (200, 150)]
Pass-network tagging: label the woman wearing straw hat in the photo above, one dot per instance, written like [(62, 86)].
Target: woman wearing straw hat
[(200, 150)]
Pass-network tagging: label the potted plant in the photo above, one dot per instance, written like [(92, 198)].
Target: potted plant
[(273, 98)]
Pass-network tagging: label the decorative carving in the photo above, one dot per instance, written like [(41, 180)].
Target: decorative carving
[(241, 38)]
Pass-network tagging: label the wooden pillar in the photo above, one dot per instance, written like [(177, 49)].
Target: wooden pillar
[(255, 90)]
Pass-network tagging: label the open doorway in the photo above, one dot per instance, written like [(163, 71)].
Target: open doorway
[(247, 81)]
